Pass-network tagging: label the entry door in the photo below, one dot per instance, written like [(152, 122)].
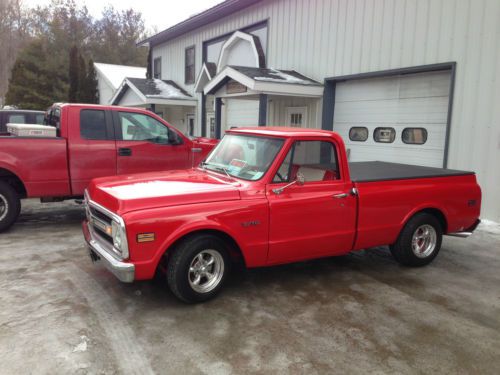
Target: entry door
[(315, 219), (296, 117), (145, 144)]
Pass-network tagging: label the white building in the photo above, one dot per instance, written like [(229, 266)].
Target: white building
[(110, 77), (408, 81)]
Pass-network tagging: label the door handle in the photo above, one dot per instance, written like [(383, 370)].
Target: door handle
[(124, 151), (341, 195)]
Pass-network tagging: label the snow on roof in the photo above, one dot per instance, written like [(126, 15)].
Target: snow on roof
[(115, 74), (167, 90), (156, 88), (274, 75)]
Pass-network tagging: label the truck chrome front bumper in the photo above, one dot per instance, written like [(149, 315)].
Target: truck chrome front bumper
[(125, 272)]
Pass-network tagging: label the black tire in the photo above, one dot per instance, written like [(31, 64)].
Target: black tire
[(10, 206), (426, 248), (181, 280)]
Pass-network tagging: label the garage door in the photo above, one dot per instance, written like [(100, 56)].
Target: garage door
[(241, 112), (399, 119)]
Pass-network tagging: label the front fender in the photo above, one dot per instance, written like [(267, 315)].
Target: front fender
[(170, 224)]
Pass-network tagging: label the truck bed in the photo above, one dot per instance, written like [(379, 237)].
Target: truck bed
[(369, 171)]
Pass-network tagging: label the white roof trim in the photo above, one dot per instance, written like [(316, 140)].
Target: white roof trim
[(232, 39), (203, 72), (183, 102), (264, 86)]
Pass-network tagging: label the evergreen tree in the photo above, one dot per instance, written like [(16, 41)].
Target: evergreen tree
[(33, 83), (90, 85), (73, 73), (82, 96)]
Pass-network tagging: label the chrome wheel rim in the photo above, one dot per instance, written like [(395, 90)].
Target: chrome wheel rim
[(4, 207), (424, 241), (206, 271)]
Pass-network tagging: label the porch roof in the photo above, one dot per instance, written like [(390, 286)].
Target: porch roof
[(267, 81), (152, 91)]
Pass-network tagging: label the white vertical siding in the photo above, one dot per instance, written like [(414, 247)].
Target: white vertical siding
[(325, 38)]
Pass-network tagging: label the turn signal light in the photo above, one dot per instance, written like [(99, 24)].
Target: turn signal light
[(145, 237)]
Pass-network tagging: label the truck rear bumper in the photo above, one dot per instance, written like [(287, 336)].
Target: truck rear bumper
[(466, 232), (125, 272)]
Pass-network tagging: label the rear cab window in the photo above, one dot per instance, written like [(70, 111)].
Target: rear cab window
[(16, 118), (315, 160)]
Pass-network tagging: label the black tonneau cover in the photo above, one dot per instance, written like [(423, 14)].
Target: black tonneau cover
[(368, 171)]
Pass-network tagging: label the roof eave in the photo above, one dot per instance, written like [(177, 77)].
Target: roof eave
[(210, 15)]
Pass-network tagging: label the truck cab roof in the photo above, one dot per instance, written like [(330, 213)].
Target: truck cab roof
[(283, 132)]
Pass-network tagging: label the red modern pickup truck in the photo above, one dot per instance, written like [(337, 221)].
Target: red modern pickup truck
[(268, 196), (92, 141)]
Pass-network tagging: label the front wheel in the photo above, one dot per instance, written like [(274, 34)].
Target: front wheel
[(198, 268), (10, 206), (419, 242)]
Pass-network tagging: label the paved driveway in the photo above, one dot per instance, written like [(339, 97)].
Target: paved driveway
[(360, 313)]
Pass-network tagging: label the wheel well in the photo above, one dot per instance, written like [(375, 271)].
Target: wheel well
[(234, 250), (438, 215), (14, 181)]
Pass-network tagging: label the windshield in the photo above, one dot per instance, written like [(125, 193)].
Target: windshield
[(243, 156)]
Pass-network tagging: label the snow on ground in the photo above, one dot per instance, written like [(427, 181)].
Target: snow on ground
[(288, 78), (168, 91), (490, 226)]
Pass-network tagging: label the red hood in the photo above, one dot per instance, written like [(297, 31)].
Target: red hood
[(127, 193)]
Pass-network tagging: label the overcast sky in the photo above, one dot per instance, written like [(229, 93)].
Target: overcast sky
[(159, 13)]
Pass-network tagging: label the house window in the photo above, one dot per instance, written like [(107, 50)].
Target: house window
[(414, 136), (296, 117), (189, 72), (157, 68), (384, 135), (358, 134)]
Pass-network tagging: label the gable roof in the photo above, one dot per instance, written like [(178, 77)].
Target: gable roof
[(115, 74), (275, 75), (201, 19), (263, 80), (153, 91)]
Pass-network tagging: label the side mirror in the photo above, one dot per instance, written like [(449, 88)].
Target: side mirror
[(299, 180), (173, 138)]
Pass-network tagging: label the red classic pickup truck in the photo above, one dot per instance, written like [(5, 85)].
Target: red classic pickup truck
[(267, 196), (92, 141)]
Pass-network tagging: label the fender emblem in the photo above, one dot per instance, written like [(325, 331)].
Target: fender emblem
[(253, 223)]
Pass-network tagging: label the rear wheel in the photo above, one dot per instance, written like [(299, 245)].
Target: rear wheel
[(198, 267), (10, 206), (419, 242)]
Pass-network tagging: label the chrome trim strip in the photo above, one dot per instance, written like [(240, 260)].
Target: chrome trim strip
[(460, 234), (124, 272)]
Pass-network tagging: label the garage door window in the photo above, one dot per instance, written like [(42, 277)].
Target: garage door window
[(414, 136), (384, 135), (358, 134)]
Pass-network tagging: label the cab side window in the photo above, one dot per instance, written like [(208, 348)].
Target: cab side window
[(315, 160), (93, 124), (140, 127)]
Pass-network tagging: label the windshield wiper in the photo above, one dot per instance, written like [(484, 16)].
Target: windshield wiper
[(217, 168)]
